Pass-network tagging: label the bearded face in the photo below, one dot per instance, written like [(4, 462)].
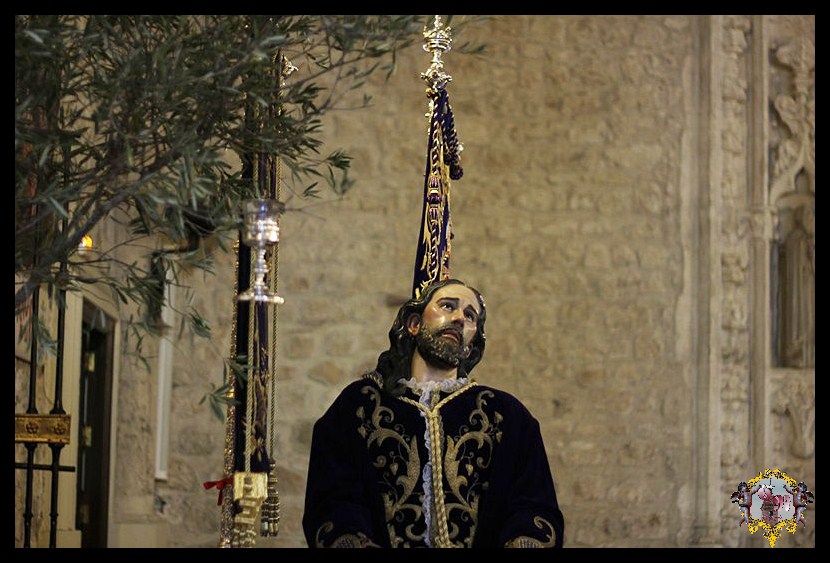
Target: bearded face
[(446, 328), (442, 347)]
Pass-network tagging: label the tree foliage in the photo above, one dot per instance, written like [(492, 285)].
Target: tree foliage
[(133, 118)]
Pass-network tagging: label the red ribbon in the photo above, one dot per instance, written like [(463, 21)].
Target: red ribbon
[(220, 485)]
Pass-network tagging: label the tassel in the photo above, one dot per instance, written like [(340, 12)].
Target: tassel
[(270, 519)]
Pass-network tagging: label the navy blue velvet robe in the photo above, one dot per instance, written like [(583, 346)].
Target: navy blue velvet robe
[(366, 472)]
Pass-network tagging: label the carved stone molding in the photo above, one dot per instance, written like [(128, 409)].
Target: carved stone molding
[(735, 314), (799, 55), (794, 399), (734, 266), (762, 222), (797, 111)]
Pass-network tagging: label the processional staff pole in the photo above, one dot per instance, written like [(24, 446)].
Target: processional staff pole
[(432, 260), (249, 464)]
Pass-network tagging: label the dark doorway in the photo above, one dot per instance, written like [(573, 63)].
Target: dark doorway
[(94, 427)]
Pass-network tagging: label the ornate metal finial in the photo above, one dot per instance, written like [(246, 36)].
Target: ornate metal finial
[(261, 229), (438, 41)]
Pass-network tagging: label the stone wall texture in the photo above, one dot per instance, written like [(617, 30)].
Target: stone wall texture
[(578, 219)]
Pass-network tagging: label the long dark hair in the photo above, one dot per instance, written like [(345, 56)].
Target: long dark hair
[(395, 363)]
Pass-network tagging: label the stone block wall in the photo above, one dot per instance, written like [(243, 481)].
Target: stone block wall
[(567, 220)]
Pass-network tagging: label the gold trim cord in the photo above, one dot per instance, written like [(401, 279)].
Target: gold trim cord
[(434, 424), (270, 522)]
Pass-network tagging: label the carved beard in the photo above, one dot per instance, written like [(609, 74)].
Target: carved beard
[(440, 352)]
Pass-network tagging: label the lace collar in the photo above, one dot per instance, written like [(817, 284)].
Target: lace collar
[(427, 388)]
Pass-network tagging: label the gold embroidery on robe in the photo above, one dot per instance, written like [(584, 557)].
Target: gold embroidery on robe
[(463, 461), (527, 541), (440, 533), (465, 455), (346, 540), (401, 464)]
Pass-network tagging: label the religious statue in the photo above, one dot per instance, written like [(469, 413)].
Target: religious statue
[(417, 454)]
